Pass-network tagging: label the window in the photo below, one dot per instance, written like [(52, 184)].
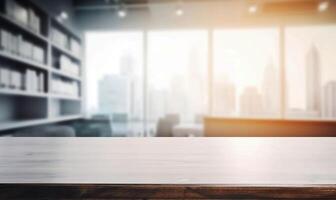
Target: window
[(246, 73), (177, 76), (115, 79), (245, 76), (311, 72)]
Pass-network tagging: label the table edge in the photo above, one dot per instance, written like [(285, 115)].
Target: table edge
[(165, 191)]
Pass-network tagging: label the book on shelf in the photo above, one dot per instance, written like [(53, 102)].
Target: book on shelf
[(17, 12), (75, 47), (14, 79), (34, 21), (34, 81), (29, 80), (21, 13), (65, 87), (38, 54), (4, 36), (4, 77), (40, 82), (14, 43), (17, 45), (24, 15), (59, 38), (68, 66), (25, 49), (11, 78)]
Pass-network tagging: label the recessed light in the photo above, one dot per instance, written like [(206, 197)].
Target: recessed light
[(62, 16), (122, 13), (253, 9), (179, 12), (323, 6)]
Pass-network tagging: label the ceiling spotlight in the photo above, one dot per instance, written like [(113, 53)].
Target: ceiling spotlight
[(121, 9), (323, 6), (179, 12), (253, 9), (62, 16), (122, 13)]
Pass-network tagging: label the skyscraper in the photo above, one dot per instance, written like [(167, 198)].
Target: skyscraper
[(157, 103), (196, 85), (127, 70), (113, 95), (329, 100), (224, 98), (313, 80), (270, 90), (251, 102), (178, 97), (127, 65)]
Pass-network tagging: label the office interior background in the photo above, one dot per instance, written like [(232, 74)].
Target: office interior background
[(138, 68)]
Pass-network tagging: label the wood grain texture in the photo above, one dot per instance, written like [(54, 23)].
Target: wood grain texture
[(96, 191), (167, 168), (240, 127)]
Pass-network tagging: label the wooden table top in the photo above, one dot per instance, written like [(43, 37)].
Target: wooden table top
[(265, 164)]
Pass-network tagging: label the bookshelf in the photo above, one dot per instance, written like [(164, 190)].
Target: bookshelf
[(41, 72)]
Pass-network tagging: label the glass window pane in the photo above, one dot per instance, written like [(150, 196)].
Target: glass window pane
[(177, 77), (246, 73), (115, 79), (310, 72)]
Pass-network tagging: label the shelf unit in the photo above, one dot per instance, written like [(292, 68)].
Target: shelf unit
[(26, 123), (23, 108), (22, 93)]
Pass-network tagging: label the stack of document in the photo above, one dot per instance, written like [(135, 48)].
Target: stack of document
[(59, 38), (16, 44), (68, 66), (23, 15), (29, 80), (65, 87)]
